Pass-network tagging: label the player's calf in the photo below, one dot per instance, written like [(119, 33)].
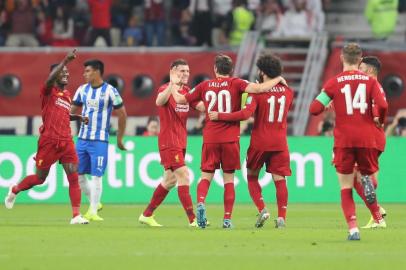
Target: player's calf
[(369, 190)]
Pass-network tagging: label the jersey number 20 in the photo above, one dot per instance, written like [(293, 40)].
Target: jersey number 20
[(222, 98)]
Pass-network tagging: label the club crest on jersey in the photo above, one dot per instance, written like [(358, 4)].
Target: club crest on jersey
[(177, 158), (60, 94), (40, 162)]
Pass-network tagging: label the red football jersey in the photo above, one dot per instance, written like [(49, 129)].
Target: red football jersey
[(271, 112), (380, 132), (173, 118), (352, 93), (221, 95), (55, 113), (100, 10)]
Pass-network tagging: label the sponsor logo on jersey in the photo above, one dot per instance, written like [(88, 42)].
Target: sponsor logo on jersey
[(62, 103)]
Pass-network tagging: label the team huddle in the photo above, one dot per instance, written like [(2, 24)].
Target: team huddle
[(355, 95)]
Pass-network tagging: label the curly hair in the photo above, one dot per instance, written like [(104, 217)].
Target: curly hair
[(270, 65)]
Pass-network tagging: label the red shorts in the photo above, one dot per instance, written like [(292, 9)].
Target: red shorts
[(226, 155), (345, 159), (172, 158), (277, 162), (50, 151)]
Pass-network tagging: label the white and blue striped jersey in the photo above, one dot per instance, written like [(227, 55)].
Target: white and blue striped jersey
[(98, 104)]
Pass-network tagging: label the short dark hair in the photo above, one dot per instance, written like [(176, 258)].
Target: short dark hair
[(270, 65), (352, 52), (179, 62), (224, 64), (372, 61), (95, 64), (51, 67)]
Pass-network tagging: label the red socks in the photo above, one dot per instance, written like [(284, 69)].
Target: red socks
[(202, 189), (348, 206), (281, 197), (74, 193), (256, 192), (157, 198), (229, 198), (186, 200), (27, 183), (373, 208)]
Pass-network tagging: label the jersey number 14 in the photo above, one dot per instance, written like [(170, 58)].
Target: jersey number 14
[(359, 100)]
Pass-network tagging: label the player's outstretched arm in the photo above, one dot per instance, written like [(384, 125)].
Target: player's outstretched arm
[(231, 117), (83, 119), (122, 120), (174, 83), (256, 88), (163, 97), (319, 103), (54, 73), (179, 98)]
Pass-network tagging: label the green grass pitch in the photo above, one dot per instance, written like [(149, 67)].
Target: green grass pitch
[(39, 237)]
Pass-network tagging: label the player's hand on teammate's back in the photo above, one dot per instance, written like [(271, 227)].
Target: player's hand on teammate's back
[(120, 144), (378, 122), (214, 116), (283, 81)]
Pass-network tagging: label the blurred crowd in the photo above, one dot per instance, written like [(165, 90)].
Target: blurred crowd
[(153, 22)]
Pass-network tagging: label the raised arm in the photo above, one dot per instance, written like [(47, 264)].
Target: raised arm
[(55, 72), (241, 115), (256, 88), (173, 84)]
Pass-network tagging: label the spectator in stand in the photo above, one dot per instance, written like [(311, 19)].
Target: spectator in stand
[(382, 16), (133, 33), (101, 20), (154, 21), (240, 20), (269, 16), (3, 23), (202, 23), (152, 127), (220, 11), (22, 26), (181, 21), (62, 30), (398, 125), (296, 22), (315, 9), (44, 28)]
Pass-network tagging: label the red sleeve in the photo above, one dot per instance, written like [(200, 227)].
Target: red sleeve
[(240, 115), (45, 91), (328, 87), (240, 84), (316, 107), (194, 95), (380, 106)]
